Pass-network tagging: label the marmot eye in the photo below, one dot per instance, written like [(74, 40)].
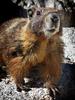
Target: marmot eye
[(38, 13)]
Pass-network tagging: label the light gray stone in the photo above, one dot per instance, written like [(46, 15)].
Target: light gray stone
[(69, 44)]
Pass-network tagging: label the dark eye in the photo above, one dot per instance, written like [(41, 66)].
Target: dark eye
[(38, 13)]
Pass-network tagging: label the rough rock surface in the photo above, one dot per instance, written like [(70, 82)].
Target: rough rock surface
[(69, 44), (8, 92)]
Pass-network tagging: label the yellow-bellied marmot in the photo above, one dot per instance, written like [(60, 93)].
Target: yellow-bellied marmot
[(26, 43)]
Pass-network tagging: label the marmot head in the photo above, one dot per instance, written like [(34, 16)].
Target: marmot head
[(45, 22)]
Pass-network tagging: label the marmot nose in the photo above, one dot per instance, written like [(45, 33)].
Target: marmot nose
[(54, 18)]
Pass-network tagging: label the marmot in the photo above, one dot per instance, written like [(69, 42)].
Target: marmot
[(26, 43)]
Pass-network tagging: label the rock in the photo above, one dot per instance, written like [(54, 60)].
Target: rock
[(69, 44), (67, 82), (8, 92)]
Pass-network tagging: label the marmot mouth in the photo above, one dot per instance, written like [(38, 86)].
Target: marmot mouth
[(51, 30)]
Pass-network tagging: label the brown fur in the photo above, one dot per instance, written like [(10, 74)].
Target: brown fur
[(51, 71), (20, 50)]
